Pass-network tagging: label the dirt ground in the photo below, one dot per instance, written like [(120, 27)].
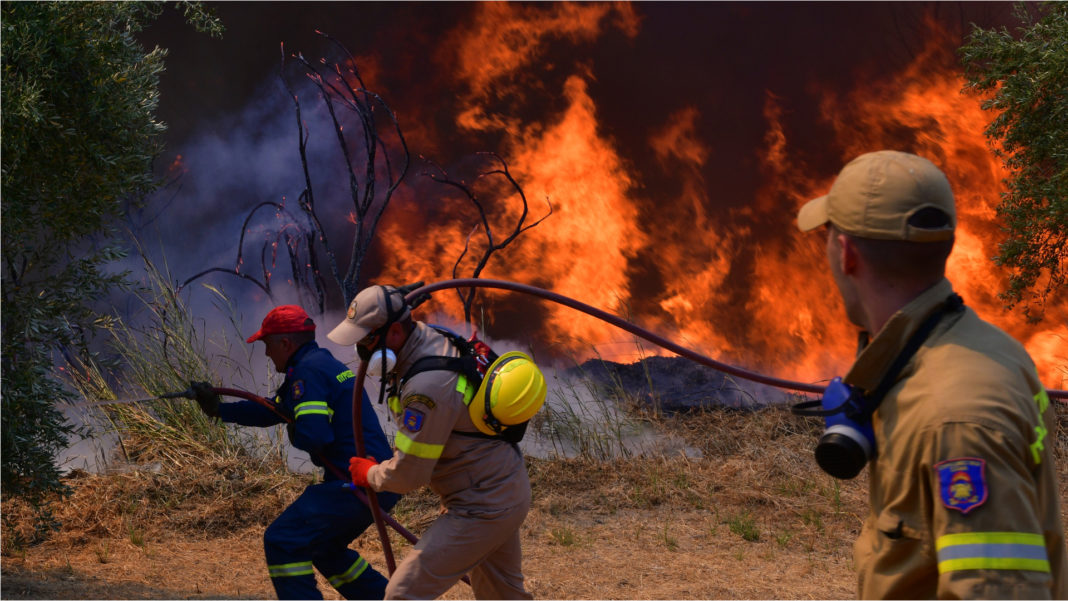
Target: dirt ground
[(753, 518)]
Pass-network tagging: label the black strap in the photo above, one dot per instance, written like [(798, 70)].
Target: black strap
[(953, 304), (862, 408)]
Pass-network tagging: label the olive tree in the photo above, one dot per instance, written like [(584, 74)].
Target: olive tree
[(79, 136), (1026, 77)]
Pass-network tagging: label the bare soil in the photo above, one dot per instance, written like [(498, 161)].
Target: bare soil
[(753, 518)]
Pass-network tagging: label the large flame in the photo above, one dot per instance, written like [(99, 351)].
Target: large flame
[(741, 284)]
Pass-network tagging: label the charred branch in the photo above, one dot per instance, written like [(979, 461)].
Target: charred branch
[(496, 172), (384, 154)]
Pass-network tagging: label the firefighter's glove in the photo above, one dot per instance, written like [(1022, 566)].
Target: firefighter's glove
[(358, 468), (206, 398)]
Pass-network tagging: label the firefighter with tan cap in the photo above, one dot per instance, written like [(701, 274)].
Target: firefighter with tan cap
[(445, 440), (948, 408)]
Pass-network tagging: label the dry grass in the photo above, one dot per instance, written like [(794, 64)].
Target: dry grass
[(752, 518)]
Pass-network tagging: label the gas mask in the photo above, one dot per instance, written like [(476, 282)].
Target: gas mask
[(848, 441)]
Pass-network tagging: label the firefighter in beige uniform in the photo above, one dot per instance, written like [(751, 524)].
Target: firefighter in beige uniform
[(482, 481), (963, 488)]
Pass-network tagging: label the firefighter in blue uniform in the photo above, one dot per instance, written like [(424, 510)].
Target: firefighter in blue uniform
[(316, 529)]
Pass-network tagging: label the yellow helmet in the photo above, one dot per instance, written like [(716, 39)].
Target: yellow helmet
[(511, 393)]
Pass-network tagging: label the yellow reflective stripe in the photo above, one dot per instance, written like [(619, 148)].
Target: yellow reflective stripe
[(1038, 445), (971, 538), (300, 568), (417, 449), (992, 551), (312, 408), (1042, 398), (394, 404), (345, 375), (468, 391), (350, 574), (993, 563)]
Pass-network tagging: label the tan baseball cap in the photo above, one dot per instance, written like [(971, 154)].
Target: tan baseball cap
[(368, 312), (877, 194)]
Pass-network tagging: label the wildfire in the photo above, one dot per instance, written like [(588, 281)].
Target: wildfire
[(743, 285)]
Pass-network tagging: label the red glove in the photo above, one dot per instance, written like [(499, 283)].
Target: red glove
[(358, 468)]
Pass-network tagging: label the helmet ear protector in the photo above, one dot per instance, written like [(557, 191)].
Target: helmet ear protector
[(512, 391)]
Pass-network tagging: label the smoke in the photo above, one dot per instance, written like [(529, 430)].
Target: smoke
[(674, 144)]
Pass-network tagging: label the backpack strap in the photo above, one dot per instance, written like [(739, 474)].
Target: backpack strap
[(470, 379)]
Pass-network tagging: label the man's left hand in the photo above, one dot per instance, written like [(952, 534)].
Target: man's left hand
[(358, 468)]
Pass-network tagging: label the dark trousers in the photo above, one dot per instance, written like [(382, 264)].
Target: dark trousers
[(315, 532)]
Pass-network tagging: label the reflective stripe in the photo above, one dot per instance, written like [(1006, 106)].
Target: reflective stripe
[(312, 408), (350, 574), (300, 568), (345, 375), (992, 551), (1042, 400), (417, 449), (1038, 445), (394, 404), (468, 391)]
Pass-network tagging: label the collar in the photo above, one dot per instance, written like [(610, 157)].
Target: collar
[(298, 354), (412, 348), (875, 359)]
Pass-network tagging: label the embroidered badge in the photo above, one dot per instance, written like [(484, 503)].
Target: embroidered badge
[(962, 483), (422, 399), (352, 311), (298, 389), (413, 420)]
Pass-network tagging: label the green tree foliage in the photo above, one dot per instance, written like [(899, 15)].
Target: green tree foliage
[(1026, 77), (79, 135)]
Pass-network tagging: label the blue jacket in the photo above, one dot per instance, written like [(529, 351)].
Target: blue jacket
[(317, 396)]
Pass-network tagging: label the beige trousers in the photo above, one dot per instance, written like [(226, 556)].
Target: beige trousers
[(486, 546)]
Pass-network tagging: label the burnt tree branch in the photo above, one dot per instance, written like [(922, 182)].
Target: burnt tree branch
[(467, 296)]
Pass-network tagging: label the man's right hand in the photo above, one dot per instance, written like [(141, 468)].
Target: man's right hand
[(358, 468), (206, 398)]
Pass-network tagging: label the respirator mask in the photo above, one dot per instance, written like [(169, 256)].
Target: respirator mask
[(380, 362), (848, 440)]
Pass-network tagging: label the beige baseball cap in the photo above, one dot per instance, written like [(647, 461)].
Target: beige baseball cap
[(368, 312), (878, 193)]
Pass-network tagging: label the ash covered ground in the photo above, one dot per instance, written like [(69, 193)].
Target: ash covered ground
[(677, 385)]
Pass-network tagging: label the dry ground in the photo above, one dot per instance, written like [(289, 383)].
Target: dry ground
[(753, 518)]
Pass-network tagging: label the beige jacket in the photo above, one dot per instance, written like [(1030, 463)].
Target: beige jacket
[(964, 494), (473, 476)]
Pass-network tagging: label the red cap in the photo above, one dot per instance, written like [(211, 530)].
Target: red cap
[(284, 319)]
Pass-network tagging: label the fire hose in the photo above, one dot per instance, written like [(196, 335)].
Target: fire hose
[(370, 499), (421, 294)]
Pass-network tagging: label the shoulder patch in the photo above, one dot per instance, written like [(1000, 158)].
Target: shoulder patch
[(297, 389), (413, 419), (962, 483), (422, 399)]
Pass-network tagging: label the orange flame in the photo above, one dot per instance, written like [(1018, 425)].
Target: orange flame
[(742, 284)]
